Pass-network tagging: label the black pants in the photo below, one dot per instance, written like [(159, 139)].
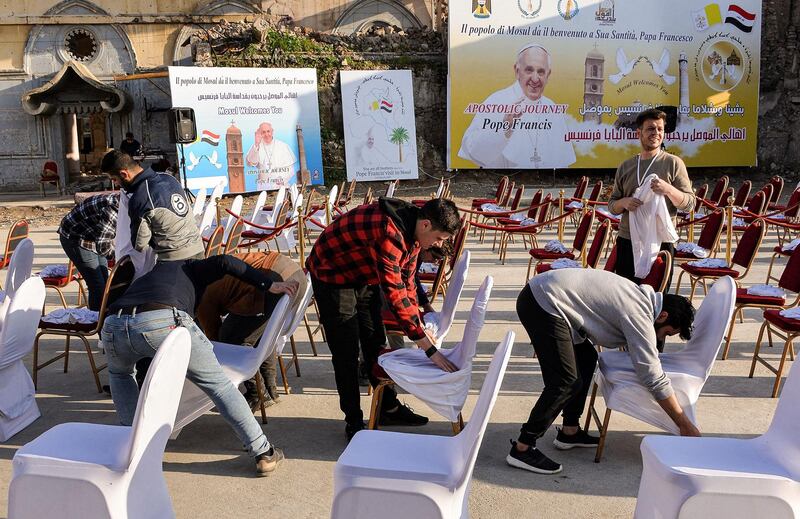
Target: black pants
[(351, 318), (567, 368), (625, 267)]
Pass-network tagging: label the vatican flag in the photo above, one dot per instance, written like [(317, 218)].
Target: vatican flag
[(706, 17)]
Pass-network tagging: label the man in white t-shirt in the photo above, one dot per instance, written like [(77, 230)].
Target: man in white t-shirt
[(275, 160), (520, 127)]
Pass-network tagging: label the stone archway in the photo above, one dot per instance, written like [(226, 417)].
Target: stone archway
[(182, 54), (367, 13)]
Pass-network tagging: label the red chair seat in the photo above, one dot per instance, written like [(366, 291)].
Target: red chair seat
[(477, 202), (542, 254), (253, 235), (57, 281), (784, 323), (743, 298), (541, 268), (779, 250), (71, 327), (425, 276), (507, 221), (710, 272)]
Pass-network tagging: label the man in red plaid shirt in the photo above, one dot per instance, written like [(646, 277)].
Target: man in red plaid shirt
[(370, 249)]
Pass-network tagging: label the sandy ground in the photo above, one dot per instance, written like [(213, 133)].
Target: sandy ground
[(208, 475)]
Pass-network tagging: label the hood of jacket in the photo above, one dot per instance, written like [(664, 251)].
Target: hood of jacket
[(403, 214)]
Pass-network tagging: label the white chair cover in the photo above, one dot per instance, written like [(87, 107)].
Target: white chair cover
[(687, 369), (287, 238), (296, 316), (17, 394), (80, 470), (257, 210), (726, 478), (143, 262), (321, 215), (442, 320), (651, 225), (236, 208), (395, 476), (20, 266), (199, 203), (391, 189), (238, 362), (444, 392), (207, 222), (218, 189)]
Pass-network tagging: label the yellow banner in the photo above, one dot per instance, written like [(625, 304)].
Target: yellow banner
[(540, 84)]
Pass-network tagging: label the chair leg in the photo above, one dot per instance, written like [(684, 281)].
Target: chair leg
[(782, 364), (757, 349), (35, 367), (730, 333), (95, 369), (294, 356), (310, 335), (601, 445), (261, 400), (530, 262), (66, 354), (374, 408), (588, 421), (678, 283), (458, 426), (282, 368)]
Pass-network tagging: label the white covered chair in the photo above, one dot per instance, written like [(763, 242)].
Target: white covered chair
[(294, 320), (199, 203), (287, 239), (19, 269), (258, 208), (396, 475), (726, 478), (236, 208), (209, 217), (18, 407), (238, 362), (442, 320), (81, 470), (391, 189), (325, 214), (443, 392), (687, 369)]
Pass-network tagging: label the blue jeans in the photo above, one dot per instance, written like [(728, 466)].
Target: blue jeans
[(128, 338), (93, 268)]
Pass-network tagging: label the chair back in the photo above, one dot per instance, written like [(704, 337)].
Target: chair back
[(781, 437), (236, 209), (20, 267), (659, 272), (21, 321), (199, 202), (214, 244), (209, 214), (268, 342), (790, 279), (368, 196), (728, 195), (330, 204), (216, 193), (712, 230), (234, 237), (255, 216), (50, 168), (464, 351), (748, 246), (458, 243), (457, 280), (298, 311), (719, 190), (757, 204), (471, 436), (545, 209), (506, 195), (596, 190), (159, 398), (17, 233), (517, 198), (390, 189), (350, 191), (583, 231), (280, 198), (710, 322), (119, 279), (598, 244), (611, 262), (777, 189), (580, 187), (699, 196), (743, 193), (536, 199), (501, 187), (791, 206)]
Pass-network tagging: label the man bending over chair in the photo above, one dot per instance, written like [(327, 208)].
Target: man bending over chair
[(565, 313), (156, 303), (370, 249), (248, 309)]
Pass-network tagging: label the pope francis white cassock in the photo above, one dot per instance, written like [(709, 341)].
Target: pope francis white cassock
[(275, 160), (530, 137)]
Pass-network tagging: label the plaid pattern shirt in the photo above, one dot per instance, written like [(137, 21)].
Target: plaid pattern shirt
[(93, 223), (365, 247)]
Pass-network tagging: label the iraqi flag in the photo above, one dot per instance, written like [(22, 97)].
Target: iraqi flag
[(386, 106), (739, 18), (209, 137)]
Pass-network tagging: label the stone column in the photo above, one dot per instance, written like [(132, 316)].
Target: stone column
[(303, 176), (71, 146)]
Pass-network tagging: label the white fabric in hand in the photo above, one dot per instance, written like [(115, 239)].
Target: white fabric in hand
[(650, 226)]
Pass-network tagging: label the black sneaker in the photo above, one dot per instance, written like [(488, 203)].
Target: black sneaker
[(403, 415), (581, 438), (532, 460), (350, 430)]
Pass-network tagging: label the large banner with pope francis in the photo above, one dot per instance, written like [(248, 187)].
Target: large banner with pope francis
[(537, 84)]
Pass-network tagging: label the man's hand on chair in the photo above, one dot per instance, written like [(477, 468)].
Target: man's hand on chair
[(687, 428), (285, 287), (444, 364)]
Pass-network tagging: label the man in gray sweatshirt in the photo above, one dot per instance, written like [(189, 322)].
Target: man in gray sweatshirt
[(566, 312)]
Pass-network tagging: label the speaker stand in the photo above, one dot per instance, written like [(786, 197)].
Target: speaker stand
[(189, 194)]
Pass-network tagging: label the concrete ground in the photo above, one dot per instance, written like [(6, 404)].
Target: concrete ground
[(208, 475)]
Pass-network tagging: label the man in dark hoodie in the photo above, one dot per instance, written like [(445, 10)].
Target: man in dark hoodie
[(370, 249)]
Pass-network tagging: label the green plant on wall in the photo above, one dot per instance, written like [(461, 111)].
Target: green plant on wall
[(399, 136)]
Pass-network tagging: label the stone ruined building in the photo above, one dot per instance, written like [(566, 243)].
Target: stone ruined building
[(66, 92)]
